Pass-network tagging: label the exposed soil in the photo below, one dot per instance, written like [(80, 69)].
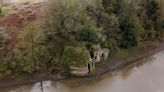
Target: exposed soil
[(17, 18), (21, 13)]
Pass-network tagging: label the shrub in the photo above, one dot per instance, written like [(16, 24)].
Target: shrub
[(2, 41), (76, 57), (29, 53)]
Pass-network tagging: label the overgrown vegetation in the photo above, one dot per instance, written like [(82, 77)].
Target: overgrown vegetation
[(75, 57), (69, 29)]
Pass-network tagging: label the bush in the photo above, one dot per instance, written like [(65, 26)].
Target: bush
[(29, 54), (26, 61), (2, 41), (5, 71), (76, 57)]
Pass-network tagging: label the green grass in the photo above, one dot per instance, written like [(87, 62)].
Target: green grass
[(127, 54), (6, 10)]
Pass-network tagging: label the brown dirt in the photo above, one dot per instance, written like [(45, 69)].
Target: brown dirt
[(16, 19), (22, 13)]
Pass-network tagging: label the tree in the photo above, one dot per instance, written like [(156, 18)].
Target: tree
[(111, 31), (113, 6), (150, 17), (29, 55), (64, 17), (87, 34), (128, 38), (109, 6), (152, 9), (63, 20), (111, 26)]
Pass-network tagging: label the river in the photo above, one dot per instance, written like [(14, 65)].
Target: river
[(146, 78)]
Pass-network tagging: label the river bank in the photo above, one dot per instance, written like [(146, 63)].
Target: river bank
[(15, 16), (143, 78), (112, 65)]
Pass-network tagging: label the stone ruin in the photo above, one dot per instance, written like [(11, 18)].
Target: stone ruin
[(96, 54)]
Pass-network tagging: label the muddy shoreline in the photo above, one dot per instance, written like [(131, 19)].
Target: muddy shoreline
[(108, 67)]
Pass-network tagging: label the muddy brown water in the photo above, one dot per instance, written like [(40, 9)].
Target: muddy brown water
[(146, 78)]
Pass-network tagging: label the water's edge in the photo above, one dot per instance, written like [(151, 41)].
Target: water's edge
[(30, 79)]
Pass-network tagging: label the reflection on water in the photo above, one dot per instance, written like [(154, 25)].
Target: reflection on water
[(147, 78), (47, 86)]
